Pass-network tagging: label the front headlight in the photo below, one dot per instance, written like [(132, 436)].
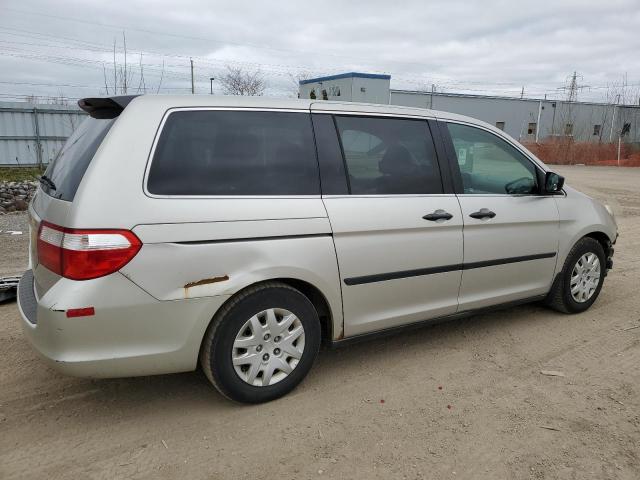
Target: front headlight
[(613, 215), (610, 210)]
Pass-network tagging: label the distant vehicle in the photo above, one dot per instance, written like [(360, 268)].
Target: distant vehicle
[(243, 232)]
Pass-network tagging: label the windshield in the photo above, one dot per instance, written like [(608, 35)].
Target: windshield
[(66, 171)]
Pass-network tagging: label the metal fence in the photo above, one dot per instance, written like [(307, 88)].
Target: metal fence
[(33, 134)]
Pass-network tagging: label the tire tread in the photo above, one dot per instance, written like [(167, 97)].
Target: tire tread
[(556, 296), (206, 351)]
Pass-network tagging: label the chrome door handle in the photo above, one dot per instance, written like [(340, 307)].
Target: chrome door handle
[(482, 213), (438, 215)]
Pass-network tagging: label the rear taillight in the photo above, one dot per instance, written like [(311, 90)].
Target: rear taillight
[(81, 254)]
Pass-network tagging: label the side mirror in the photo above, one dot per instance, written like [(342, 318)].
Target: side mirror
[(553, 182)]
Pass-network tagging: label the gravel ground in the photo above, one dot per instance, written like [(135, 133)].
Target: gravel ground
[(14, 255), (464, 399)]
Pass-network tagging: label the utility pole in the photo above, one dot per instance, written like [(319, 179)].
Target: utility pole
[(193, 89), (433, 90), (619, 145), (522, 92), (538, 121), (613, 118), (623, 131), (573, 88), (211, 80), (572, 95)]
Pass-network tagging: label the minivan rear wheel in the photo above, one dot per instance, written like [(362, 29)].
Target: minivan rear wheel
[(262, 343), (578, 285)]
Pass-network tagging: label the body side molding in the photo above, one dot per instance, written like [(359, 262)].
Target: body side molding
[(381, 277)]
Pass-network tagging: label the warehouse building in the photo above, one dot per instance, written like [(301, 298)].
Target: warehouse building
[(526, 119)]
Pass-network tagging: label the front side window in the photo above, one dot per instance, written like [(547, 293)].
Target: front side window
[(389, 156), (489, 164), (235, 153)]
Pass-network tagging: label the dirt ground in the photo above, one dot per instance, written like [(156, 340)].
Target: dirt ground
[(453, 401)]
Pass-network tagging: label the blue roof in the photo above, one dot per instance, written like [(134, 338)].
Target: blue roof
[(346, 75)]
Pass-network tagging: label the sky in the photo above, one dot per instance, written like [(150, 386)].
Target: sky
[(493, 47)]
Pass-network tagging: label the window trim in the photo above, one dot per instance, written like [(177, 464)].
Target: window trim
[(455, 168), (160, 129), (440, 156)]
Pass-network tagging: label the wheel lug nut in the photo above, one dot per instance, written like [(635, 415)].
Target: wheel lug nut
[(265, 357), (276, 351), (259, 348), (266, 337), (277, 338)]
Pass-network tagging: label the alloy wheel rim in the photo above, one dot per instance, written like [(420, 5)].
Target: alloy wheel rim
[(268, 347), (585, 277)]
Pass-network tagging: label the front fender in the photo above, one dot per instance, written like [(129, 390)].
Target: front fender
[(580, 216)]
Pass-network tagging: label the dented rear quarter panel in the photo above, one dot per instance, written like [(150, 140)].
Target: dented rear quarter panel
[(195, 260)]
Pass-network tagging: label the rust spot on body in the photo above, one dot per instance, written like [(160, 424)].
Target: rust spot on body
[(206, 281)]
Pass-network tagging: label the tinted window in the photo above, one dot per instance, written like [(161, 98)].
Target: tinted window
[(235, 153), (389, 156), (489, 164), (69, 166)]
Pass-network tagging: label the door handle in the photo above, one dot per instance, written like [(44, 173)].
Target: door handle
[(482, 214), (438, 215)]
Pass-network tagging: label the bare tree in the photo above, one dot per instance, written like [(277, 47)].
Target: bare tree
[(59, 99), (295, 79), (237, 81), (161, 77), (125, 74)]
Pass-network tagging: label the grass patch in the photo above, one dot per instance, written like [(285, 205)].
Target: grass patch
[(12, 174)]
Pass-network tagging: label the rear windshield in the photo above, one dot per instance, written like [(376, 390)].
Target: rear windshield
[(68, 167), (235, 153)]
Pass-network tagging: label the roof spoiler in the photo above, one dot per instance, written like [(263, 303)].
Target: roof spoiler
[(105, 107)]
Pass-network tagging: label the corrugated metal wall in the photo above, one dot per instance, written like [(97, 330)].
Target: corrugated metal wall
[(516, 115), (25, 142)]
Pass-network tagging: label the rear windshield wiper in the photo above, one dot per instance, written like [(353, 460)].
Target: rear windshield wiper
[(48, 182)]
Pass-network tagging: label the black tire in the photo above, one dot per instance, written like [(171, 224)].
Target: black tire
[(217, 346), (559, 297)]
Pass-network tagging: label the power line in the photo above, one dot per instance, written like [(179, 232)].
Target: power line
[(68, 43), (204, 39), (439, 80)]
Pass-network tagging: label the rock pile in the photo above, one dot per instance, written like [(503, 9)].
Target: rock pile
[(15, 196)]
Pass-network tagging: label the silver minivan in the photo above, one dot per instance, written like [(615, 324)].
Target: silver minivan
[(241, 233)]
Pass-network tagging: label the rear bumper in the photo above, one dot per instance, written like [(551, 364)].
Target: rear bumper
[(131, 333), (27, 302)]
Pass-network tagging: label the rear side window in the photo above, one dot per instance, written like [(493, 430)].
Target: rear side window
[(389, 156), (235, 153), (68, 167)]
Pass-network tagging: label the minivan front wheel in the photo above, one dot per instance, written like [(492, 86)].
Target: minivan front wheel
[(262, 343), (579, 283)]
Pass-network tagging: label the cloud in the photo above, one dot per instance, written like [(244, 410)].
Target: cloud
[(492, 47)]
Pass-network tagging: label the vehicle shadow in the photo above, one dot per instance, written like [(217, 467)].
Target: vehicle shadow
[(172, 392)]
